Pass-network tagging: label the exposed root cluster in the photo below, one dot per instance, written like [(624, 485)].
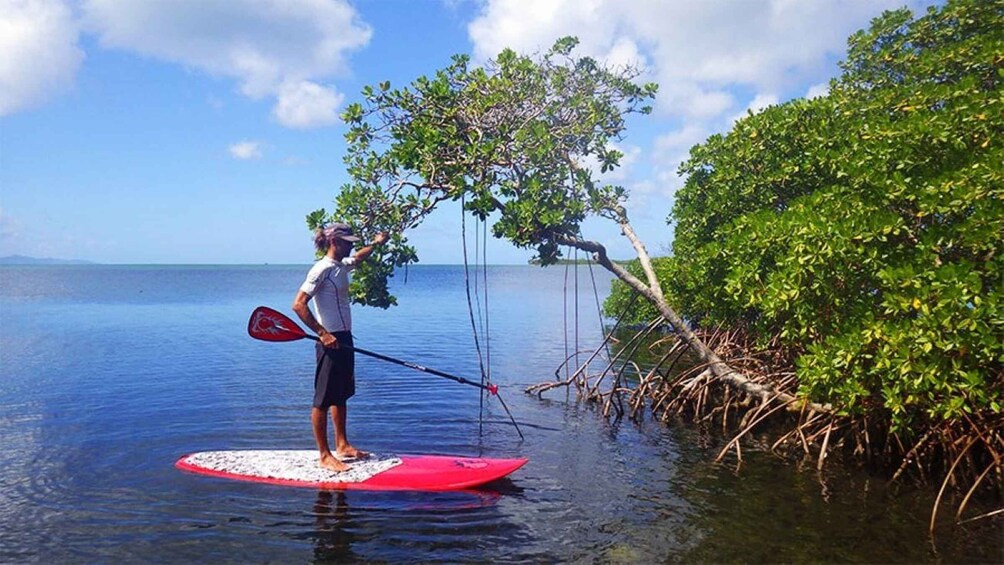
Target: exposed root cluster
[(963, 457)]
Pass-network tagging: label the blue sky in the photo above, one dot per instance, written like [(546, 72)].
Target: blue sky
[(184, 131)]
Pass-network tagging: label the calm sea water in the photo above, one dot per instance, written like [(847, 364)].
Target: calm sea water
[(110, 373)]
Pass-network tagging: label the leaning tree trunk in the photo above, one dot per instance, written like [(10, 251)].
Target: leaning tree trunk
[(717, 369)]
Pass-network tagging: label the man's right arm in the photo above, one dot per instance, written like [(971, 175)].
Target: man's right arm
[(303, 311)]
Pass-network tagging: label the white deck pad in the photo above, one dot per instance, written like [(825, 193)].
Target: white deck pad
[(291, 465)]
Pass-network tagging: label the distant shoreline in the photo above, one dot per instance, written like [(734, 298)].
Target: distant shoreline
[(25, 260)]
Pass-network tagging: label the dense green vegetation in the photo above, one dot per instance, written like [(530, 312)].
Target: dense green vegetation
[(859, 230), (506, 140), (864, 228)]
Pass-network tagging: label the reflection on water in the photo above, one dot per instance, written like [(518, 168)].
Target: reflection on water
[(332, 528), (342, 523), (111, 373)]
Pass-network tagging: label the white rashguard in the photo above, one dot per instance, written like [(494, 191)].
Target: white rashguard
[(327, 284)]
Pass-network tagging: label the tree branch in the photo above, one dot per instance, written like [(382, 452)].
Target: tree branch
[(719, 369)]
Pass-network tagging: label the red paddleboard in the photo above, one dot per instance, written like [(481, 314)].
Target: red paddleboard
[(374, 472)]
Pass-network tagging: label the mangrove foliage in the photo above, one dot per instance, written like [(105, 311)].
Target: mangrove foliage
[(861, 232)]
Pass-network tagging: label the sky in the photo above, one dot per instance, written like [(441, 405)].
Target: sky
[(204, 131)]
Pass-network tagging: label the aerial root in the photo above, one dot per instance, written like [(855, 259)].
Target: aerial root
[(964, 457)]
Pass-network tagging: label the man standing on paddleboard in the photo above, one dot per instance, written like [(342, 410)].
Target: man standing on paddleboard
[(327, 284)]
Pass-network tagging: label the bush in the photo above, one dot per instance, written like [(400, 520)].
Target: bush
[(864, 227)]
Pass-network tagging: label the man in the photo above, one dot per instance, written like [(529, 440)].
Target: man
[(327, 284)]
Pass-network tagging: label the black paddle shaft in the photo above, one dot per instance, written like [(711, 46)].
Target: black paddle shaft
[(284, 329), (490, 388)]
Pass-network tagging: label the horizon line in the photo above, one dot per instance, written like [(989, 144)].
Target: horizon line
[(85, 263)]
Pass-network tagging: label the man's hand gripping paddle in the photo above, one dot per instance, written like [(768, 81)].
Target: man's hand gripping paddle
[(267, 324)]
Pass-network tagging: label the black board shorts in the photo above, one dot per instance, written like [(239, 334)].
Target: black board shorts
[(335, 378)]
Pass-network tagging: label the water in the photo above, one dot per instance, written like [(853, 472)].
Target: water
[(111, 373)]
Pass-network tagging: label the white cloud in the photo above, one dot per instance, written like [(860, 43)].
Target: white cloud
[(692, 101), (273, 48), (640, 200), (762, 101), (707, 57), (305, 104), (817, 90), (38, 40), (679, 141), (759, 102), (670, 150), (625, 53), (529, 27), (245, 150), (629, 156), (696, 51)]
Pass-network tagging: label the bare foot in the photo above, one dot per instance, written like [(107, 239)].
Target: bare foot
[(331, 463), (350, 453)]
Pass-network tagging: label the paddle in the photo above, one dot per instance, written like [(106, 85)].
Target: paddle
[(267, 324)]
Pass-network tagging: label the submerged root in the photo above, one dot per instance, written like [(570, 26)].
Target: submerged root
[(963, 457)]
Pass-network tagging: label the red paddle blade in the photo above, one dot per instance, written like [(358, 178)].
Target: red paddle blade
[(269, 325)]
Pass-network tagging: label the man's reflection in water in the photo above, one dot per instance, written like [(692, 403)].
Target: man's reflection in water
[(333, 533), (336, 528)]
